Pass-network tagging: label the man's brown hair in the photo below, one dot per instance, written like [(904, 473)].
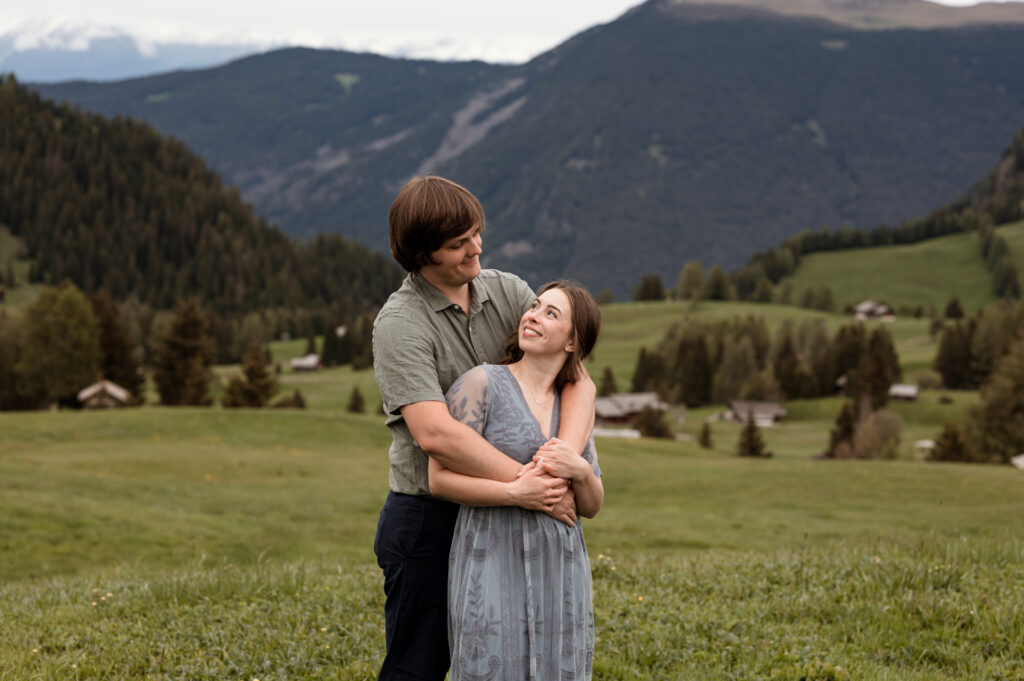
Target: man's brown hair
[(426, 213)]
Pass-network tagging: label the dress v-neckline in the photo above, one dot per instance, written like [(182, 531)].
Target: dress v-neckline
[(533, 417)]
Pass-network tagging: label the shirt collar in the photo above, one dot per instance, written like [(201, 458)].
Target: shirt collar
[(438, 301)]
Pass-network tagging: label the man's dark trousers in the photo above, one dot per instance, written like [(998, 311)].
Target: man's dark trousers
[(414, 536)]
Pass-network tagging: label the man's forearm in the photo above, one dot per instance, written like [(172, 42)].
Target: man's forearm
[(455, 445)]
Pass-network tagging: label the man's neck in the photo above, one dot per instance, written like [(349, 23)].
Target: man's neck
[(460, 295)]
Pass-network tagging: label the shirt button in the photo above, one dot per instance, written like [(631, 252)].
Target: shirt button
[(458, 308)]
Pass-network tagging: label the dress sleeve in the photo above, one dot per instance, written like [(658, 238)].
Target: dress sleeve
[(590, 454), (469, 397)]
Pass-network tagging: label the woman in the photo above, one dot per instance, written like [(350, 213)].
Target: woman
[(519, 591)]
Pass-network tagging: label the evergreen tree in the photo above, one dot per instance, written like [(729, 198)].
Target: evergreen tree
[(950, 445), (763, 291), (10, 281), (258, 383), (691, 280), (718, 286), (995, 425), (59, 346), (954, 310), (333, 348), (356, 404), (841, 436), (650, 288), (787, 364), (361, 341), (737, 367), (704, 439), (871, 380), (608, 386), (119, 360), (182, 367), (953, 359), (311, 344), (651, 423), (14, 392), (850, 343), (649, 374), (751, 442), (692, 372)]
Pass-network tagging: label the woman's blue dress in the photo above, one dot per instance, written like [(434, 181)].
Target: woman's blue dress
[(519, 588)]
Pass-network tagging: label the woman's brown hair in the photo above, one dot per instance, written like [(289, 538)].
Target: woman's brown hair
[(426, 213), (586, 324)]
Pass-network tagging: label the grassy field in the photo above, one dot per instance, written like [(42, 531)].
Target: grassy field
[(930, 272), (207, 544), (162, 543)]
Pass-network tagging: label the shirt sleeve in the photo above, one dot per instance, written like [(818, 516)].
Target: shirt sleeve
[(525, 295), (404, 363), (469, 397)]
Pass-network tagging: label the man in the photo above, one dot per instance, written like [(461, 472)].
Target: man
[(447, 317)]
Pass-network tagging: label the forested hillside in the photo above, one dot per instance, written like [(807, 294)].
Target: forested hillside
[(699, 133), (113, 204)]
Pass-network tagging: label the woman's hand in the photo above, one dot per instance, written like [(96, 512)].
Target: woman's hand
[(555, 457), (535, 490)]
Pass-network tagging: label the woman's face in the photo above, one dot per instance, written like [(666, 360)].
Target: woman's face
[(546, 328)]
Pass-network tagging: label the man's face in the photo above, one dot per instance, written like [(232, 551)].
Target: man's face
[(457, 262)]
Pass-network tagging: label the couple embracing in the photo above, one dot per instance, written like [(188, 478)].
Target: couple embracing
[(491, 414)]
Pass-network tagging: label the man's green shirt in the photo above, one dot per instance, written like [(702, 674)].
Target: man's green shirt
[(422, 342)]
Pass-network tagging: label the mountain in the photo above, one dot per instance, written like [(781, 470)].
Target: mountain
[(90, 52), (680, 131), (112, 204)]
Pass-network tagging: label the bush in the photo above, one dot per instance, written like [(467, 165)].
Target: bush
[(950, 445), (928, 379), (704, 439), (293, 401), (751, 442), (356, 404), (651, 423)]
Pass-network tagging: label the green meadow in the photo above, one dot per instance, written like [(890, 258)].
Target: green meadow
[(929, 272), (163, 543)]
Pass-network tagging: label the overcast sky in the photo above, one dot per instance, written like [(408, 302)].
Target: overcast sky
[(493, 31)]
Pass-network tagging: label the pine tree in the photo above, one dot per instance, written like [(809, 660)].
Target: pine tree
[(953, 359), (954, 310), (704, 439), (995, 425), (691, 280), (258, 383), (651, 423), (841, 436), (692, 371), (751, 442), (59, 345), (717, 286), (950, 445), (311, 344), (182, 365), (650, 288), (356, 404), (10, 281), (608, 386), (737, 367), (119, 360)]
